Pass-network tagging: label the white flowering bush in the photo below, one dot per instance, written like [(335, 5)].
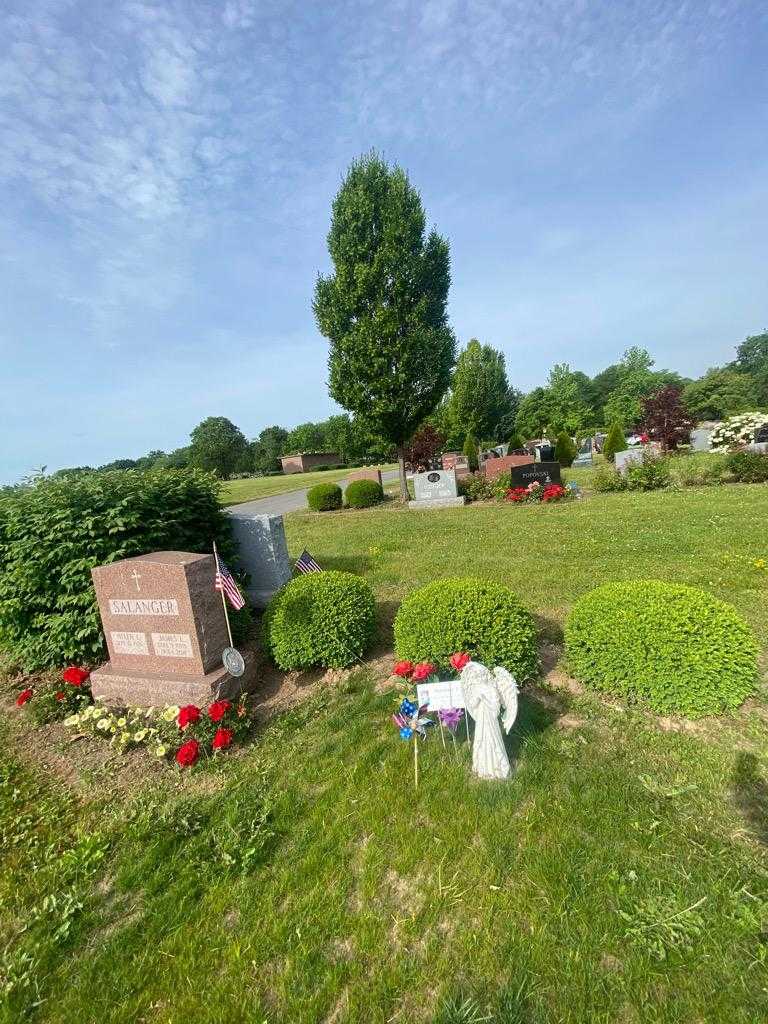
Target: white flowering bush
[(737, 431)]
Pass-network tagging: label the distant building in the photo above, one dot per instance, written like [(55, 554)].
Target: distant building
[(306, 461)]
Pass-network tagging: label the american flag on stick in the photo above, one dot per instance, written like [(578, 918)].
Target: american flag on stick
[(225, 582), (306, 563)]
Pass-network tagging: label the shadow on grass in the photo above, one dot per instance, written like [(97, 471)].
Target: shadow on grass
[(534, 716), (750, 793)]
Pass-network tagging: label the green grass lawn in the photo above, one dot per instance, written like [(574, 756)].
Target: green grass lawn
[(620, 876), (235, 491)]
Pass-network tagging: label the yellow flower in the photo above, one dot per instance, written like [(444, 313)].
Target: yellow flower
[(103, 723), (759, 563)]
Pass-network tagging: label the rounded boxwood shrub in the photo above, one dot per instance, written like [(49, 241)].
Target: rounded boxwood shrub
[(673, 647), (322, 618), (364, 493), (484, 619), (324, 497), (748, 467)]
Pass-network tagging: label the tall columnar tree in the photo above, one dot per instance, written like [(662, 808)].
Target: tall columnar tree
[(217, 446), (614, 442), (383, 308), (470, 450), (480, 392)]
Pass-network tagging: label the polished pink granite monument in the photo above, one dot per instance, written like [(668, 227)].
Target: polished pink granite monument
[(164, 624)]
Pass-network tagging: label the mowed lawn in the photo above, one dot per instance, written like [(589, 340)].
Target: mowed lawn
[(235, 491), (620, 876)]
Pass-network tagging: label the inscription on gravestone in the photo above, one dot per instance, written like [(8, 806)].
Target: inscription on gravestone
[(439, 483), (537, 472), (164, 624), (761, 434)]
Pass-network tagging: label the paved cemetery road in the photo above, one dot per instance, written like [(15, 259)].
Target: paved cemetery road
[(288, 501)]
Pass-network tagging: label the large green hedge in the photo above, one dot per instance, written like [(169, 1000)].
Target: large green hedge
[(324, 497), (53, 533), (322, 618), (673, 647), (482, 618)]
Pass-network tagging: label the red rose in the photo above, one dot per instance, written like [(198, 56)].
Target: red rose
[(459, 660), (61, 695), (75, 676), (218, 709), (422, 670), (222, 739), (403, 668), (188, 753), (23, 697), (189, 714)]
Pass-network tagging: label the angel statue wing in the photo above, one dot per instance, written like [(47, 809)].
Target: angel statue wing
[(507, 687)]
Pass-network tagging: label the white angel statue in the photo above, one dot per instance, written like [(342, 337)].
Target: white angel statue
[(485, 693)]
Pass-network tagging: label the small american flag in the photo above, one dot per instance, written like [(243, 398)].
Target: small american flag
[(306, 563), (225, 582)]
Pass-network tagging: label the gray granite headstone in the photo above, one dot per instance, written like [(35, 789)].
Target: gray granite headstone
[(262, 553), (584, 456), (701, 439), (435, 489), (631, 457)]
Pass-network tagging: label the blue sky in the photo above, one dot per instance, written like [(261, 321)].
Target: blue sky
[(600, 169)]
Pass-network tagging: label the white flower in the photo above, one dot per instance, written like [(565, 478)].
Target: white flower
[(170, 713), (160, 751), (103, 724), (72, 720), (140, 735), (122, 722)]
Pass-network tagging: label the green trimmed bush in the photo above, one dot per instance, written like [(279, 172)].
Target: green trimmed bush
[(364, 494), (53, 533), (565, 449), (324, 497), (675, 648), (614, 442), (483, 618), (748, 467), (322, 618)]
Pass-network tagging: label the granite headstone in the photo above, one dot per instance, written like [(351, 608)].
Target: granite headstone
[(435, 489), (262, 553), (165, 628), (536, 472)]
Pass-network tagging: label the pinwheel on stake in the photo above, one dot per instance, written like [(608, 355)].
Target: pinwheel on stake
[(412, 724)]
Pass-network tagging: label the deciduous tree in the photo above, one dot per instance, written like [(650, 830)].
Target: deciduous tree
[(217, 445), (383, 308)]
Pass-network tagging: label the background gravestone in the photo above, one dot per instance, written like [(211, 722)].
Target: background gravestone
[(435, 489), (262, 553), (165, 629), (631, 457), (536, 472)]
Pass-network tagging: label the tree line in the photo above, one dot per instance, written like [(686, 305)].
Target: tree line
[(394, 368)]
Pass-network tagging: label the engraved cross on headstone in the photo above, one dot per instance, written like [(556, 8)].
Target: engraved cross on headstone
[(136, 576)]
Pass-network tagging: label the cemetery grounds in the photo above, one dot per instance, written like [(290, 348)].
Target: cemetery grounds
[(621, 875), (249, 488)]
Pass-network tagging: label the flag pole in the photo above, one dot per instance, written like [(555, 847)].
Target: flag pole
[(223, 598)]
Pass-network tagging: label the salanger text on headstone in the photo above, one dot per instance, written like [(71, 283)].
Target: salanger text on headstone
[(165, 629), (435, 489)]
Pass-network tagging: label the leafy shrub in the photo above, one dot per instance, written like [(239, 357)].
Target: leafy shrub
[(565, 449), (476, 487), (53, 533), (674, 647), (606, 478), (748, 467), (737, 431), (324, 497), (322, 618), (697, 469), (484, 619), (614, 442), (652, 474), (364, 493)]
